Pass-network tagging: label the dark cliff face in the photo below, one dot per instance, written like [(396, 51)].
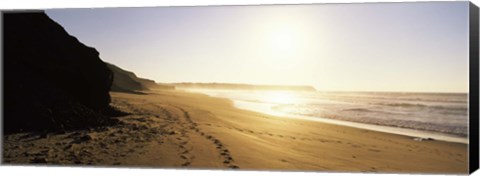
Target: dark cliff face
[(126, 81), (51, 80)]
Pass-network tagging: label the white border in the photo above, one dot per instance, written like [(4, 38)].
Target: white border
[(48, 4)]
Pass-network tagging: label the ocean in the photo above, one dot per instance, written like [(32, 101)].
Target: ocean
[(433, 115)]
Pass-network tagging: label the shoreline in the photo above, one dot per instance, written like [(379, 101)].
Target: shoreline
[(177, 129), (414, 133), (410, 132)]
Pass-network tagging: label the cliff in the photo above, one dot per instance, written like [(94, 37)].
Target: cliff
[(127, 81), (51, 80)]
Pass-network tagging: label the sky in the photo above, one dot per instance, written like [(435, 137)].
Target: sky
[(394, 47)]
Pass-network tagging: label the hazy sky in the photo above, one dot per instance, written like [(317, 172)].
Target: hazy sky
[(361, 47)]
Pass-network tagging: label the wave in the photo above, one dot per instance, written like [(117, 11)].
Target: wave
[(427, 120), (418, 105), (453, 129), (402, 104), (460, 98), (358, 110)]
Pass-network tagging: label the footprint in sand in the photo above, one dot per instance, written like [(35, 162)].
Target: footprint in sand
[(233, 167), (373, 150), (186, 164), (224, 152)]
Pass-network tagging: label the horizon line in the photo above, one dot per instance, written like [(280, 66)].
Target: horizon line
[(320, 90)]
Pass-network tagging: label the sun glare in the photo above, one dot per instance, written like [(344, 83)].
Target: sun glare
[(280, 97), (283, 46), (283, 41)]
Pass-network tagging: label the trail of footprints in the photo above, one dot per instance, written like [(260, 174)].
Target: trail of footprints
[(186, 126), (223, 151), (180, 138)]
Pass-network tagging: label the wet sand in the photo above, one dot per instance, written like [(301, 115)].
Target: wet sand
[(175, 129)]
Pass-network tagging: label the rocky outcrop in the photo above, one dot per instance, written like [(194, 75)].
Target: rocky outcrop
[(127, 81), (124, 81), (51, 80)]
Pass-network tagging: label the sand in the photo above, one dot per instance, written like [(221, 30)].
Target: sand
[(176, 129)]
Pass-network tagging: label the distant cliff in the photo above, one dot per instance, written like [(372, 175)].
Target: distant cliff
[(51, 80), (230, 86), (127, 81)]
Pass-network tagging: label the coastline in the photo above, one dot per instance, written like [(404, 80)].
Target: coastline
[(172, 129), (414, 133), (410, 132)]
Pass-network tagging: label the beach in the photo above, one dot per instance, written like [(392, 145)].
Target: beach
[(175, 129)]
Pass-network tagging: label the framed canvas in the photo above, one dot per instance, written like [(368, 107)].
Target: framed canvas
[(343, 88)]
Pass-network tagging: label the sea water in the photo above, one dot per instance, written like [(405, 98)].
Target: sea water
[(442, 114)]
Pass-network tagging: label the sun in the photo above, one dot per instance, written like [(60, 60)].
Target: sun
[(283, 41), (283, 47), (283, 44)]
